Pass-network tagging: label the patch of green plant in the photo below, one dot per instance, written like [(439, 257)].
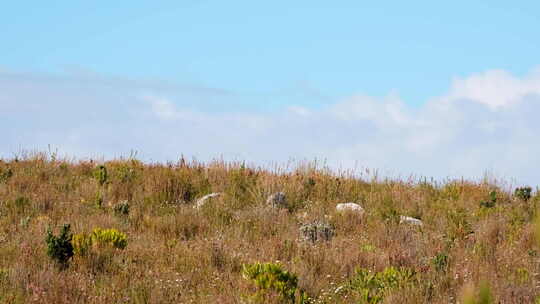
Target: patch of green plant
[(121, 208), (81, 243), (523, 193), (99, 238), (98, 200), (4, 274), (108, 237), (24, 222), (458, 224), (440, 261), (5, 175), (491, 202), (271, 279), (59, 248), (522, 275), (387, 210), (367, 248), (100, 174), (21, 203), (125, 174), (372, 287), (176, 187)]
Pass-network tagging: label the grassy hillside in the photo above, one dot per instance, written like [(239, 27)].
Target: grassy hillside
[(476, 245)]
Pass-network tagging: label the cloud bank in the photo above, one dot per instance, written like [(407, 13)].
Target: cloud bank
[(487, 122)]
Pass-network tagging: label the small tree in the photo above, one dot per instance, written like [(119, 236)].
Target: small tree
[(59, 248)]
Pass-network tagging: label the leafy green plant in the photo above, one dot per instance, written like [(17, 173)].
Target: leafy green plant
[(272, 278), (59, 248), (121, 208), (372, 287), (81, 243), (523, 193), (5, 175), (99, 238), (100, 174), (108, 237), (491, 202), (458, 225), (440, 261)]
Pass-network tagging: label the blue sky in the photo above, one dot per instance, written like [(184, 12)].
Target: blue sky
[(343, 48), (234, 66)]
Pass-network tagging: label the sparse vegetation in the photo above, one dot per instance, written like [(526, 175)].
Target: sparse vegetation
[(153, 246)]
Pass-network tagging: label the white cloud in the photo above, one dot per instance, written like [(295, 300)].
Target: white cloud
[(487, 122), (495, 88)]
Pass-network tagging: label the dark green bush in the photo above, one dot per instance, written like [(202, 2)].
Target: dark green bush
[(100, 174), (59, 248), (523, 193), (491, 202)]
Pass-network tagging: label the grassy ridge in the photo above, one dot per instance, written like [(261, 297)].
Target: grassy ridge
[(177, 253)]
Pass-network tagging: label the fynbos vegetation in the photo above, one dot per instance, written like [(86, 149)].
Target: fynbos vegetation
[(136, 235)]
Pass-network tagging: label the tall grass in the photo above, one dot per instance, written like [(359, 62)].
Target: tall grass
[(179, 254)]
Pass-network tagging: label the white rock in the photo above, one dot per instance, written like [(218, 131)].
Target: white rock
[(350, 207), (200, 202), (410, 220)]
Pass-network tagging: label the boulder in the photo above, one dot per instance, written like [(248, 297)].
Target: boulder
[(277, 200), (200, 202), (350, 207), (410, 220)]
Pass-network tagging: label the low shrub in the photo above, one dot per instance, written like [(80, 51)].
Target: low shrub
[(121, 208), (523, 193), (317, 231), (271, 278), (371, 287), (100, 174), (99, 238), (108, 237)]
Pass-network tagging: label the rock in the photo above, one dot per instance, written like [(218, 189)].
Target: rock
[(350, 207), (200, 202), (316, 231), (410, 220), (277, 200)]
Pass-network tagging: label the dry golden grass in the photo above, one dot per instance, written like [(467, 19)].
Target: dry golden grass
[(179, 254)]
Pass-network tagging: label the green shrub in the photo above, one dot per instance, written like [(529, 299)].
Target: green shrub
[(81, 244), (372, 287), (458, 224), (59, 248), (440, 261), (99, 238), (5, 175), (100, 174), (272, 278), (523, 193), (121, 208), (491, 202), (108, 237)]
